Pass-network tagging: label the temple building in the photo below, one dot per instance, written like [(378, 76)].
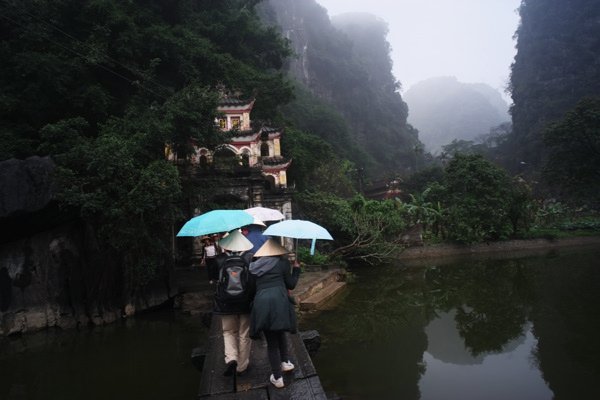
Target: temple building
[(258, 148)]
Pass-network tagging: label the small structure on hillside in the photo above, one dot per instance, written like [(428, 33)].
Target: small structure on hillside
[(384, 189)]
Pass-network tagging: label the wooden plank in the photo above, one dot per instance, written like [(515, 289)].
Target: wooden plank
[(214, 358), (300, 357), (298, 389), (249, 395), (254, 384), (322, 296)]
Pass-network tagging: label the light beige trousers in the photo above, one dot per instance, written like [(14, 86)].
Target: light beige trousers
[(236, 330)]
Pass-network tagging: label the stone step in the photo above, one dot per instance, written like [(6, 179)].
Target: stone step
[(316, 300), (312, 283)]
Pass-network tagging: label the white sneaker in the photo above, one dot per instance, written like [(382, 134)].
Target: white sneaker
[(278, 383), (287, 366)]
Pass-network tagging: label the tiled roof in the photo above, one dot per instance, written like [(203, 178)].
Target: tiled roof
[(246, 136), (275, 163), (226, 102)]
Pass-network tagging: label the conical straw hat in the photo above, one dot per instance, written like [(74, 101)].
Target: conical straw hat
[(258, 222), (271, 248), (235, 241)]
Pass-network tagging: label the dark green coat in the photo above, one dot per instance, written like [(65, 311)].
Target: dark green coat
[(273, 309)]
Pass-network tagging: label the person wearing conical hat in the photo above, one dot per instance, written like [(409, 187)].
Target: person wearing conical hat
[(235, 314), (272, 312)]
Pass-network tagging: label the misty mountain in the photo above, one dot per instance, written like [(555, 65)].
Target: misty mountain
[(557, 64), (444, 109), (345, 62)]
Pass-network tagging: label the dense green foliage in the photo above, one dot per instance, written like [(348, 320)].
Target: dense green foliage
[(317, 166), (470, 201), (102, 85), (474, 201), (478, 200), (363, 229), (319, 141), (312, 115), (557, 64), (574, 152)]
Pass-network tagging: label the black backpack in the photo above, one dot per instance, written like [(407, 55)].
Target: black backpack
[(234, 275)]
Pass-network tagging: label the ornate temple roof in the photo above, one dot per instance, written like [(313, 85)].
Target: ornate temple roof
[(277, 163), (234, 104), (247, 137)]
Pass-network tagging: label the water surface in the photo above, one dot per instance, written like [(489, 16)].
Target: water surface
[(146, 357), (523, 328)]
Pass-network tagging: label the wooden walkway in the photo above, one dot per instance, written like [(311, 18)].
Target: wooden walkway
[(300, 384)]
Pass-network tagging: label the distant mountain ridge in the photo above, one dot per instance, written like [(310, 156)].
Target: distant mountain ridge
[(444, 109)]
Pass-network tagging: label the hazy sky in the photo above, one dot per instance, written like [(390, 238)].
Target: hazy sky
[(469, 39)]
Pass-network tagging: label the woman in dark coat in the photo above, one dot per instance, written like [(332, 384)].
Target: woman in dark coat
[(272, 312)]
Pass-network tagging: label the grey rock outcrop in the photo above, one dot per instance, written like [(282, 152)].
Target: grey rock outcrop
[(52, 273)]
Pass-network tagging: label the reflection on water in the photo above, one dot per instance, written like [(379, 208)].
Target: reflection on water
[(147, 357), (468, 329), (445, 344), (452, 372)]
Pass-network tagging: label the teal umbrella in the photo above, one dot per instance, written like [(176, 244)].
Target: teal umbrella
[(299, 229), (215, 221)]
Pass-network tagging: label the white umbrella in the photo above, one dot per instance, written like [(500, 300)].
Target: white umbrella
[(265, 214)]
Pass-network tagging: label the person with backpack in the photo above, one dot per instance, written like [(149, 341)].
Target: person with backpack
[(273, 311), (233, 297)]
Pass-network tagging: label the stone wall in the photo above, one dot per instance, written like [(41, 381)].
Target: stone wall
[(509, 248)]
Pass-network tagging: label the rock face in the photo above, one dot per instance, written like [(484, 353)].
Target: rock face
[(26, 185), (51, 271)]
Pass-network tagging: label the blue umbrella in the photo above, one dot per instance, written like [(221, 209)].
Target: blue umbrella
[(255, 235), (299, 229), (215, 221)]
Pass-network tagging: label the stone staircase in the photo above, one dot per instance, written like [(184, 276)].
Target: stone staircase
[(316, 288)]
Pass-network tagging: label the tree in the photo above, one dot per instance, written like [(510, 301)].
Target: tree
[(476, 196), (573, 146), (363, 229)]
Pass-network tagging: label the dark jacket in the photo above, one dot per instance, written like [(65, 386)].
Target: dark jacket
[(273, 309), (224, 307)]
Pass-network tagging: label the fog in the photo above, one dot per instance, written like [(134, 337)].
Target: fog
[(469, 39)]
